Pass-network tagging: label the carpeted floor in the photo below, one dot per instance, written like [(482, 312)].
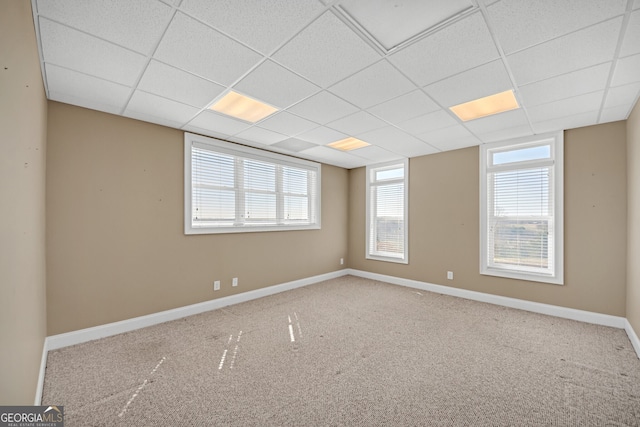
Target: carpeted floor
[(352, 352)]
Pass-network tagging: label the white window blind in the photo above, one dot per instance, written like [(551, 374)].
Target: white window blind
[(387, 227), (522, 210), (232, 188)]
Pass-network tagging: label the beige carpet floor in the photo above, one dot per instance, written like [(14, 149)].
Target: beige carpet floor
[(352, 352)]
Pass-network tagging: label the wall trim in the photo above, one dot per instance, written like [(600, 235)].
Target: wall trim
[(635, 341), (43, 367), (109, 329), (536, 307)]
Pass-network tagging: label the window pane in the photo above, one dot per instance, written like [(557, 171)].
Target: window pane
[(521, 243), (389, 218), (294, 181), (523, 154), (383, 175), (521, 193), (259, 175), (260, 207), (296, 208), (212, 204), (212, 169)]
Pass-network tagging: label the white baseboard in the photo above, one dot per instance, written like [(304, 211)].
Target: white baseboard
[(43, 368), (536, 307), (635, 342), (89, 334)]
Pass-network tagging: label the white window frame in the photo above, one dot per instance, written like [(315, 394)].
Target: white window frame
[(237, 150), (556, 162), (370, 173)]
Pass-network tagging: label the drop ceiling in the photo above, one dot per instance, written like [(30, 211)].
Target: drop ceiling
[(385, 72)]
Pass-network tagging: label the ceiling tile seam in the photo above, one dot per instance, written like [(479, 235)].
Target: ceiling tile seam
[(555, 76), (616, 54), (148, 61), (36, 20), (505, 63), (85, 74)]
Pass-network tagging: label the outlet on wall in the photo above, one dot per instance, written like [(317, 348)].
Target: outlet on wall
[(216, 285), (341, 261), (450, 275), (234, 282)]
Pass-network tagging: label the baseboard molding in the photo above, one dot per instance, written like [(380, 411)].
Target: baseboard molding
[(109, 329), (635, 341), (43, 368), (536, 307)]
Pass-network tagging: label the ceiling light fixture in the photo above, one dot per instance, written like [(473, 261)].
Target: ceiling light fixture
[(487, 106), (348, 144), (242, 107)]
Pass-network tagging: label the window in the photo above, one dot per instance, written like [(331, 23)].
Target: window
[(230, 188), (387, 226), (521, 212)]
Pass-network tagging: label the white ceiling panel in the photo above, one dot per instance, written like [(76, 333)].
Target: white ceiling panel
[(458, 47), (613, 114), (456, 144), (376, 154), (262, 136), (631, 43), (622, 95), (443, 136), (506, 133), (322, 135), (335, 157), (569, 122), (357, 123), (172, 83), (326, 51), (136, 25), (428, 122), (194, 47), (572, 52), (566, 86), (627, 71), (276, 85), (519, 24), (323, 107), (405, 107), (398, 142), (287, 123), (373, 85), (156, 106), (476, 83), (506, 120), (78, 51), (206, 132), (89, 90), (218, 123), (294, 144), (566, 107), (636, 4), (262, 24)]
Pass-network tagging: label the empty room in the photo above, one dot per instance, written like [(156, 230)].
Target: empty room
[(317, 212)]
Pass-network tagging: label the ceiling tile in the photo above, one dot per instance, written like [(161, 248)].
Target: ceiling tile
[(566, 107), (373, 85), (519, 24), (91, 92), (631, 43), (428, 122), (627, 71), (172, 83), (405, 107), (81, 52), (262, 136), (275, 85), (294, 144), (572, 52), (357, 123), (622, 95), (398, 142), (476, 83), (334, 157), (287, 123), (376, 154), (322, 135), (636, 4), (565, 86), (326, 51), (194, 47), (569, 122), (218, 123), (508, 119), (507, 133), (458, 47), (162, 108), (443, 139), (206, 132), (262, 24), (323, 107), (136, 25), (614, 114)]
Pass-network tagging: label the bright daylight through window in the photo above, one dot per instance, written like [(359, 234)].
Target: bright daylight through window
[(231, 188), (387, 225), (522, 209)]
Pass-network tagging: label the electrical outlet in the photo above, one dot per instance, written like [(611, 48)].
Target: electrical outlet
[(234, 282), (341, 261), (216, 285), (450, 275)]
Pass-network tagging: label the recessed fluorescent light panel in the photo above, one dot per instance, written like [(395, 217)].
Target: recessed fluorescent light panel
[(487, 106), (348, 144), (242, 107)]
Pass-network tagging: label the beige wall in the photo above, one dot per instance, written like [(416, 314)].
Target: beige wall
[(444, 224), (23, 114), (633, 219), (115, 239)]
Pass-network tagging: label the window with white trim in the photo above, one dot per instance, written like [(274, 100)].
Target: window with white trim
[(521, 214), (231, 188), (387, 203)]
